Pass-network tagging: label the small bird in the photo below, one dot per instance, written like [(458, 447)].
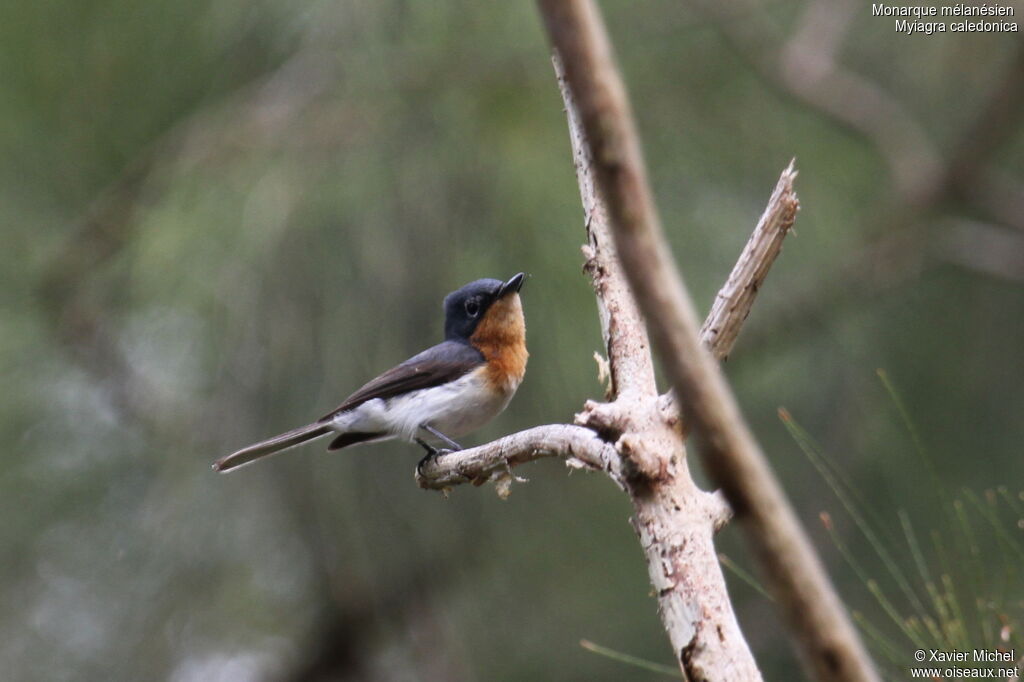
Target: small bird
[(446, 391)]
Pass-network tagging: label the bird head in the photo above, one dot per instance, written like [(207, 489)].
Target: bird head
[(466, 308)]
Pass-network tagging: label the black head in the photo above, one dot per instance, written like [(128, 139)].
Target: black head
[(465, 307)]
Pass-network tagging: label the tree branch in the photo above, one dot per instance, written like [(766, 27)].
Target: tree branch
[(736, 297), (639, 444), (829, 645), (674, 519), (618, 312), (622, 326), (494, 461)]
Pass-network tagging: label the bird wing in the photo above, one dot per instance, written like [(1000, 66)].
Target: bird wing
[(437, 365)]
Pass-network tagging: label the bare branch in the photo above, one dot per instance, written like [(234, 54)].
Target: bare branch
[(633, 386), (830, 646), (807, 69), (494, 461), (899, 236), (674, 520), (622, 327), (735, 299), (901, 248)]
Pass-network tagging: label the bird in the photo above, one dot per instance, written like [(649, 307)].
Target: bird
[(444, 392)]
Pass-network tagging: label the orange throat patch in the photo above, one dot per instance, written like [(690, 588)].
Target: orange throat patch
[(501, 337)]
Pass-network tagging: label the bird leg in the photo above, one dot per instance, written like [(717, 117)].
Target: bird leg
[(431, 450), (440, 436)]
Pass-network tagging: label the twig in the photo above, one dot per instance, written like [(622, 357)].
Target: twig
[(629, 659), (830, 646), (735, 299), (495, 460), (807, 69), (622, 327)]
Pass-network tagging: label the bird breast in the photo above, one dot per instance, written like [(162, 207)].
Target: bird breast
[(501, 337)]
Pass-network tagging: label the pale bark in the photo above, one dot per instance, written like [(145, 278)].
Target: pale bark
[(735, 299), (674, 520), (826, 639), (636, 440), (636, 437), (494, 461)]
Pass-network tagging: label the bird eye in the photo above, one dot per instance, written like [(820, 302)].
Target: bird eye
[(472, 307)]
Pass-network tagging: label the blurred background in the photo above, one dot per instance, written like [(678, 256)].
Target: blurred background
[(221, 217)]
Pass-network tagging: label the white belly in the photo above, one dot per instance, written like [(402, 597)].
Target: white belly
[(454, 409)]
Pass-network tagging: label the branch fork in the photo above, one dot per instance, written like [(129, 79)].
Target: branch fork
[(593, 442), (636, 435)]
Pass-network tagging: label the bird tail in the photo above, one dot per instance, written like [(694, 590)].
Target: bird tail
[(286, 440)]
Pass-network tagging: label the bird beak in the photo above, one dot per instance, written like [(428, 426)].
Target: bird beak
[(513, 285)]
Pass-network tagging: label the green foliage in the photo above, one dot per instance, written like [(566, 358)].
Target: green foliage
[(963, 591), (221, 217)]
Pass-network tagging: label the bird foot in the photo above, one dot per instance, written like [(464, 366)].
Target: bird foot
[(432, 453)]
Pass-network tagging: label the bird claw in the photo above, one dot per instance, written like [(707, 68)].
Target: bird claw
[(432, 453)]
